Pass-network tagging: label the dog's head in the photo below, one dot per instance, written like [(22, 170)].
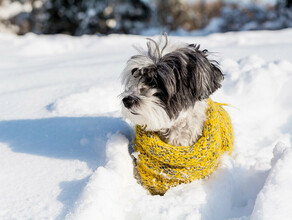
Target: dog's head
[(166, 80)]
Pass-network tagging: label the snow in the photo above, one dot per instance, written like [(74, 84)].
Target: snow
[(23, 195), (272, 201), (64, 147)]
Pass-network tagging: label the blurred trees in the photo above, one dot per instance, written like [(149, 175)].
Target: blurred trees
[(288, 3), (90, 16), (78, 17), (175, 14)]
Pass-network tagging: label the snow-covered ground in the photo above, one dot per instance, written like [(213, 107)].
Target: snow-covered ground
[(64, 146)]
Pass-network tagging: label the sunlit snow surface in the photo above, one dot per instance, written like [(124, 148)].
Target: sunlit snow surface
[(64, 146)]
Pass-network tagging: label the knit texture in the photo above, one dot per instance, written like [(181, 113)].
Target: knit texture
[(162, 166)]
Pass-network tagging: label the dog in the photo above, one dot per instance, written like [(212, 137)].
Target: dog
[(180, 132), (167, 88)]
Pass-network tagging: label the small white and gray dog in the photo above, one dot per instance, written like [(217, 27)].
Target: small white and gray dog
[(166, 89)]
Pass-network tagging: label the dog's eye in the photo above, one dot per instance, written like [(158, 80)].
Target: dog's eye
[(149, 80), (159, 95), (142, 90)]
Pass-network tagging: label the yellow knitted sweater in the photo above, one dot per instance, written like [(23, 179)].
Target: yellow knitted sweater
[(162, 166)]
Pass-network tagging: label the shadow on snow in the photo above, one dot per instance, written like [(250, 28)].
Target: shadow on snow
[(63, 138)]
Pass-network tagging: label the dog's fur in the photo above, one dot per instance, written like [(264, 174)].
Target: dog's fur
[(166, 89)]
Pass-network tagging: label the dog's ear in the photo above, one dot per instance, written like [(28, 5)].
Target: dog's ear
[(205, 76), (211, 81)]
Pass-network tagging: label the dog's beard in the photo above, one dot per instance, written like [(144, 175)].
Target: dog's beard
[(183, 130), (148, 113)]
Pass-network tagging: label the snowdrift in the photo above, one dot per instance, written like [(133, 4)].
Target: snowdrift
[(64, 147)]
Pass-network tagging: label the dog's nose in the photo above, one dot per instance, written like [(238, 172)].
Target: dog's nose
[(128, 101)]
